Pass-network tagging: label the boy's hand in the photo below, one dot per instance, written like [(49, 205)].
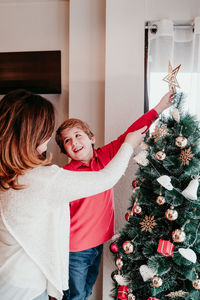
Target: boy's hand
[(165, 102), (135, 138)]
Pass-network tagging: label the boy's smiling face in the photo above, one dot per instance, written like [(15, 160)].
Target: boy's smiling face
[(77, 144)]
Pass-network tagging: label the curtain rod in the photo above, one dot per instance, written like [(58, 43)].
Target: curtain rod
[(178, 26)]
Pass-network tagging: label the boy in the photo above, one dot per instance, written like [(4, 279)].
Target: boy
[(92, 220)]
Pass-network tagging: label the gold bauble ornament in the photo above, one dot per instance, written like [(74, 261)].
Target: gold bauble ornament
[(171, 214), (157, 281), (160, 155), (181, 141), (196, 284), (160, 200), (178, 235), (128, 247)]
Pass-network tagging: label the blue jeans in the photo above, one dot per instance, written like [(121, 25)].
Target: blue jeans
[(83, 272), (43, 296)]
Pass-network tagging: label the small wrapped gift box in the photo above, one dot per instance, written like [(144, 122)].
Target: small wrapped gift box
[(152, 298), (122, 292), (165, 248)]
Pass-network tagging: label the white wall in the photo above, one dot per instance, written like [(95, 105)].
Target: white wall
[(87, 73), (87, 64), (34, 26)]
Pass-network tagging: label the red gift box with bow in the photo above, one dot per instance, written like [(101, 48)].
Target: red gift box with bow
[(152, 298), (122, 292), (165, 248)]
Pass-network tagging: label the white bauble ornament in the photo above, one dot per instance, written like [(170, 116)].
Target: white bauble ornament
[(196, 284), (157, 281), (131, 297), (171, 214), (141, 158), (165, 181), (160, 155), (181, 141), (146, 272), (137, 209), (128, 247), (178, 235), (188, 254), (120, 279), (119, 263), (176, 115)]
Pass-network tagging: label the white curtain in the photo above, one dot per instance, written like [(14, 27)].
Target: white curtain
[(180, 46)]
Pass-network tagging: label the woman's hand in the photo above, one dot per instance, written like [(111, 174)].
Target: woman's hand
[(136, 138), (165, 102)]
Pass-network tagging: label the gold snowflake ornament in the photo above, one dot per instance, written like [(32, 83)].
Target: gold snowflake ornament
[(159, 131), (177, 294), (186, 156), (148, 223)]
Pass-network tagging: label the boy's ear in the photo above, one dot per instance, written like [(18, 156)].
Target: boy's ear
[(93, 139)]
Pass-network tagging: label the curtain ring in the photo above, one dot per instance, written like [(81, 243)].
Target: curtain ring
[(154, 28)]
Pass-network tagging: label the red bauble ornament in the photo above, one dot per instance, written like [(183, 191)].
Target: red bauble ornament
[(122, 292), (165, 248), (134, 184), (114, 248), (128, 215)]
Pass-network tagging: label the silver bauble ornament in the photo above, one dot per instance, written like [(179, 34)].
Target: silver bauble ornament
[(160, 200), (178, 235), (137, 209), (160, 155), (128, 247), (171, 214), (131, 297), (196, 284), (181, 141), (157, 281)]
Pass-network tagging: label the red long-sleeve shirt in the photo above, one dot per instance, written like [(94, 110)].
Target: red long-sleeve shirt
[(92, 218)]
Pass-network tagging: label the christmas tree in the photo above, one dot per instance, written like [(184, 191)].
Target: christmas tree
[(157, 252)]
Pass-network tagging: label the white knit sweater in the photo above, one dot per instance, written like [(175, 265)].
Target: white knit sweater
[(34, 226)]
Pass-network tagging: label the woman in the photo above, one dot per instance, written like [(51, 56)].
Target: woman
[(35, 196)]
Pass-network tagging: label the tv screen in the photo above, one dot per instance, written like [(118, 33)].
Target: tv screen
[(37, 71)]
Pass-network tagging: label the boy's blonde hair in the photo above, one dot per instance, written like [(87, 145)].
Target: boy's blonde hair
[(71, 123), (26, 121)]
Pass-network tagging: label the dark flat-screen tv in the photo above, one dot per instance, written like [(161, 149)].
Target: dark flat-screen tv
[(36, 71)]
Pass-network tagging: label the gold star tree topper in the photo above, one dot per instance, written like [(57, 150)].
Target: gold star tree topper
[(171, 77)]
